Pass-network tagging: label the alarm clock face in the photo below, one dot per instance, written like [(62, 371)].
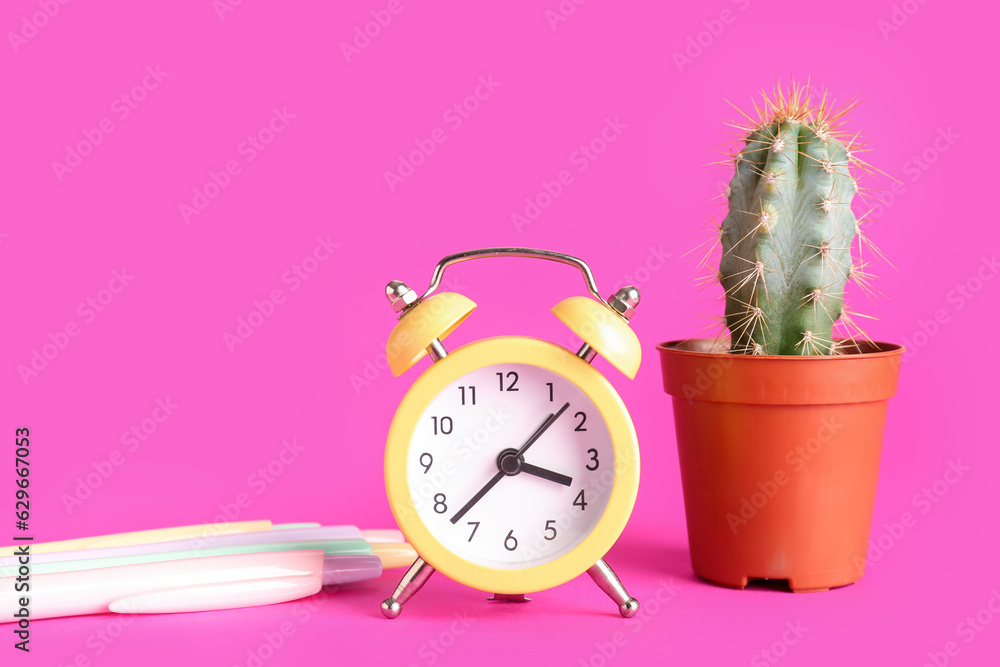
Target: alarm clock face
[(510, 466)]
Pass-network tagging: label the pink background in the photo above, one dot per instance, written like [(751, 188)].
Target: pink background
[(323, 176)]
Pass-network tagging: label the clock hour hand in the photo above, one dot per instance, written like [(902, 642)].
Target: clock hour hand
[(547, 474), (502, 473)]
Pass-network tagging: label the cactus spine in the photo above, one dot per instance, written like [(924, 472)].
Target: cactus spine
[(787, 238)]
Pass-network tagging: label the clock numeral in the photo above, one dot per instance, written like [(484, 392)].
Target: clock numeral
[(593, 458), (549, 384), (430, 461), (548, 527), (580, 502), (582, 416), (475, 527), (445, 424), (439, 505), (472, 394), (512, 386), (509, 540)]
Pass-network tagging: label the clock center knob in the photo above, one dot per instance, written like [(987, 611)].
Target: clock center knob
[(509, 462)]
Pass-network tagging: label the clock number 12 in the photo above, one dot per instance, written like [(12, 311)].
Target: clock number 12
[(511, 379)]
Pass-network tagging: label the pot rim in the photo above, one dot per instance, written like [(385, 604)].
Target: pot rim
[(874, 349)]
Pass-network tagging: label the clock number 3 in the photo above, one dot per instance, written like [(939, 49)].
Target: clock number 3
[(593, 459)]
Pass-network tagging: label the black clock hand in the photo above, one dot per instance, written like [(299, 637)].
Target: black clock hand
[(546, 474), (541, 429), (479, 496), (502, 473)]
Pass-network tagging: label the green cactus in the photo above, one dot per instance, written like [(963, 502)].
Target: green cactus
[(786, 240)]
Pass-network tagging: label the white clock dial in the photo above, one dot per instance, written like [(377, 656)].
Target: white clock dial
[(480, 499)]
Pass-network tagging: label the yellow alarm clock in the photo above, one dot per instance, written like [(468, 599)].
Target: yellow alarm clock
[(512, 464)]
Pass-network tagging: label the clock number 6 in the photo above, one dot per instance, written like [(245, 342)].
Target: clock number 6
[(593, 458), (508, 540)]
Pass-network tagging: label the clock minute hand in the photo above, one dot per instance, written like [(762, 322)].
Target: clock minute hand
[(479, 496), (501, 474)]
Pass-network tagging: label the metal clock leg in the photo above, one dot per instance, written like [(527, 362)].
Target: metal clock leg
[(415, 577), (605, 577)]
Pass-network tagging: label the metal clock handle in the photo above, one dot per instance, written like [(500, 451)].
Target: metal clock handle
[(588, 276), (402, 298)]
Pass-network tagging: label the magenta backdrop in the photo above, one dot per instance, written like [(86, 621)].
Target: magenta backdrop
[(167, 202)]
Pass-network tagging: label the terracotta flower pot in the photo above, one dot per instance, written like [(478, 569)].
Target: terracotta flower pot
[(779, 460)]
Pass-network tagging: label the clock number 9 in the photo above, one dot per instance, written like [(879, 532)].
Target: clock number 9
[(445, 423), (429, 463)]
